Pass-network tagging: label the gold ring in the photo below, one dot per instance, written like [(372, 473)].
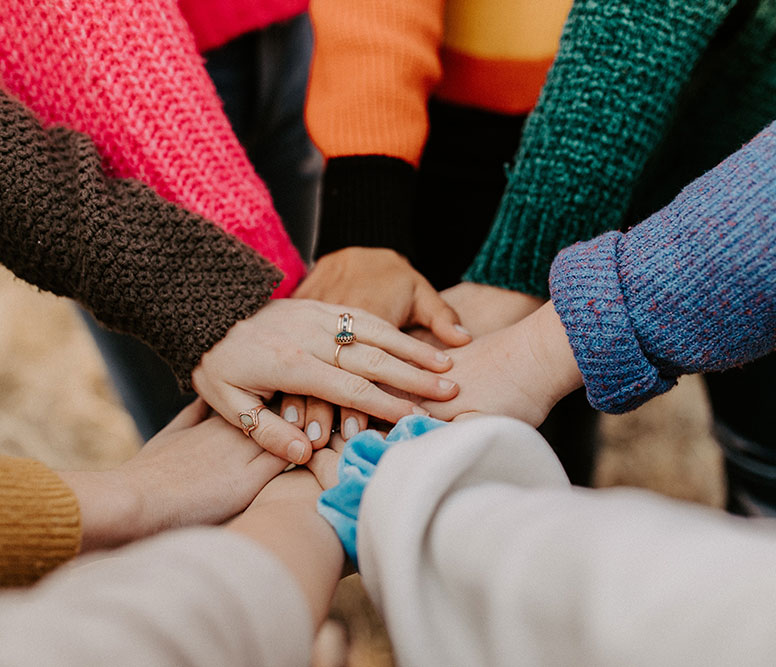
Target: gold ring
[(249, 419), (336, 356)]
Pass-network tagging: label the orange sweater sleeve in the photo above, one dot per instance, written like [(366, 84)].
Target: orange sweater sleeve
[(374, 66), (40, 522)]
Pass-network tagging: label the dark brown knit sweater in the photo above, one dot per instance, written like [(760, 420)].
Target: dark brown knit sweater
[(140, 264)]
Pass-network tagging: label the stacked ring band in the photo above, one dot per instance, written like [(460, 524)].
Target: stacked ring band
[(344, 336)]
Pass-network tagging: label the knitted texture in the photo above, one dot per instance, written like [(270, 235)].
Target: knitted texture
[(691, 289), (215, 22), (142, 265), (607, 101), (40, 522), (127, 73)]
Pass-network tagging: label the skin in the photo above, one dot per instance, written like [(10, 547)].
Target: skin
[(288, 346), (197, 470), (520, 371), (384, 283)]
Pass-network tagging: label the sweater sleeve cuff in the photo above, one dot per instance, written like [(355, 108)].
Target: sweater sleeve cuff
[(340, 504), (40, 521), (367, 201), (586, 293)]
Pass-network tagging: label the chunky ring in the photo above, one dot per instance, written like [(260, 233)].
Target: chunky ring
[(249, 419), (344, 336)]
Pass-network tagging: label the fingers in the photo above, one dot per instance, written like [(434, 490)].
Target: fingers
[(191, 415), (292, 409), (319, 417), (272, 433), (378, 333), (353, 391), (352, 422), (434, 313), (323, 465), (373, 363)]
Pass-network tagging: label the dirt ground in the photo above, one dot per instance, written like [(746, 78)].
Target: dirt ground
[(57, 405)]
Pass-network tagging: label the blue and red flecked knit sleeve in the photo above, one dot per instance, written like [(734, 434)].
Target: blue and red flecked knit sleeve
[(690, 289)]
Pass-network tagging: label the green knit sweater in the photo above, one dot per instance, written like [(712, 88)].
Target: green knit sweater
[(619, 110)]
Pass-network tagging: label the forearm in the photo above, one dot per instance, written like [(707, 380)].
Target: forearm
[(587, 141), (373, 70), (690, 289), (194, 597), (126, 72), (291, 529), (141, 264)]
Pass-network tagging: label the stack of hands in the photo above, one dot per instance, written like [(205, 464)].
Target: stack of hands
[(471, 349)]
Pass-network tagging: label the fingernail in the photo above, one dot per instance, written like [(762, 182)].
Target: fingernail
[(420, 411), (463, 329), (441, 356), (290, 415), (351, 428), (446, 385), (296, 451), (314, 430)]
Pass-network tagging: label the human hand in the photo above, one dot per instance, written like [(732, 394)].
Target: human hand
[(384, 283), (520, 371), (289, 346), (196, 470), (484, 308)]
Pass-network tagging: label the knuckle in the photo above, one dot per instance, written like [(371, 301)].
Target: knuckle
[(358, 387), (375, 359)]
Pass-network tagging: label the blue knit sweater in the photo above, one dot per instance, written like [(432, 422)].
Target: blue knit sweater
[(690, 289)]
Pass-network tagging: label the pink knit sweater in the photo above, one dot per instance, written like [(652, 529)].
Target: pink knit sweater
[(215, 22), (127, 73)]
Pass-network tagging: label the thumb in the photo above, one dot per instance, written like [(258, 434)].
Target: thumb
[(434, 313)]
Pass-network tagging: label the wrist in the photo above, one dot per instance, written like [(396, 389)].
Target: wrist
[(110, 508), (554, 355)]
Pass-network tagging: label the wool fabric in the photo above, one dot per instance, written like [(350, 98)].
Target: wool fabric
[(215, 22), (40, 522), (140, 264), (691, 289), (127, 73), (608, 101)]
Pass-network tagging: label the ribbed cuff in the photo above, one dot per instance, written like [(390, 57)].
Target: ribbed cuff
[(40, 521), (367, 201), (586, 293)]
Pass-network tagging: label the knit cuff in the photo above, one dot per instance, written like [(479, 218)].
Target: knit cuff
[(586, 293), (340, 504), (367, 201), (512, 257), (40, 521)]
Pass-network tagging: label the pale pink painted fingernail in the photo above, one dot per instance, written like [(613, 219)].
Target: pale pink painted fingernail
[(463, 329), (441, 356), (296, 451), (446, 385), (350, 428), (314, 430), (290, 414), (420, 411)]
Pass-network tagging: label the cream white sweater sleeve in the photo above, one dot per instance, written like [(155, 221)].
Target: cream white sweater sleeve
[(195, 597), (479, 552)]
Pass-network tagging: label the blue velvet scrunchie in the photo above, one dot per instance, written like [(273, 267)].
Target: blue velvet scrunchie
[(340, 504)]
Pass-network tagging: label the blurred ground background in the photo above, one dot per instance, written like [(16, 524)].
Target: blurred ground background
[(57, 405)]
